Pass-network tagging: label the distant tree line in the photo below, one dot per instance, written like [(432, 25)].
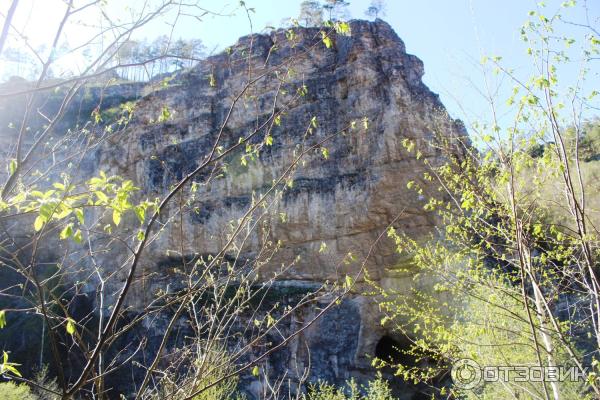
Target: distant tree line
[(313, 12), (137, 60), (143, 60)]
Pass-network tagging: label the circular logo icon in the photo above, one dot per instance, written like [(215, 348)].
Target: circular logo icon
[(466, 374)]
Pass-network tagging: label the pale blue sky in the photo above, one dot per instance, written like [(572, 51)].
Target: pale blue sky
[(450, 36)]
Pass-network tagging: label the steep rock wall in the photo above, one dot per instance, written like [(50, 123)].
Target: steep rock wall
[(345, 200)]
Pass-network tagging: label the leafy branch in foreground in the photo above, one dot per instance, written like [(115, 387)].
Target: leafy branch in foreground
[(515, 264)]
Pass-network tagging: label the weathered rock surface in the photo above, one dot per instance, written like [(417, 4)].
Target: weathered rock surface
[(345, 200)]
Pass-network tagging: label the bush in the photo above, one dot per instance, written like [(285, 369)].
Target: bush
[(590, 141), (13, 391), (377, 389)]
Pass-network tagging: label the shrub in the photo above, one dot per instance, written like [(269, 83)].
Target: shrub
[(13, 391), (377, 389)]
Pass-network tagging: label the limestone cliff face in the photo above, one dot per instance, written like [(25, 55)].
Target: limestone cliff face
[(344, 201)]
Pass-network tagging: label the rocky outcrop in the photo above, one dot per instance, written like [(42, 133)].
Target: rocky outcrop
[(344, 201), (336, 205)]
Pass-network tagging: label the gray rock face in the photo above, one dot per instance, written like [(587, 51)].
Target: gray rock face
[(345, 200)]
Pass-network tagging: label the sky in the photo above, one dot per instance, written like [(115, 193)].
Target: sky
[(450, 36)]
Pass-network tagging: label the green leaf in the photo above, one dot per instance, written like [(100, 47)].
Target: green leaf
[(46, 211), (8, 366), (343, 28), (365, 122), (2, 319), (39, 222), (116, 217), (303, 90), (255, 370), (140, 212), (70, 326), (66, 232), (79, 215), (64, 212), (325, 152), (78, 236), (102, 198), (269, 140), (141, 235), (323, 247), (11, 368), (326, 40), (12, 166), (165, 114), (348, 282)]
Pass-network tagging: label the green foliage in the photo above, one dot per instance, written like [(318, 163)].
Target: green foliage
[(206, 369), (519, 236), (326, 40), (212, 82), (165, 114), (590, 140), (13, 391), (121, 114), (377, 389), (42, 380), (70, 326), (65, 203), (8, 367)]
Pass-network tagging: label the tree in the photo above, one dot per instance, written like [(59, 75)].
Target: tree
[(196, 51), (127, 54), (181, 52), (516, 266), (337, 10), (375, 8), (311, 13), (15, 62), (160, 47)]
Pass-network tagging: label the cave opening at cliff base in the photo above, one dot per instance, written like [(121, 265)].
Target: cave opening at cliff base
[(398, 351), (394, 351)]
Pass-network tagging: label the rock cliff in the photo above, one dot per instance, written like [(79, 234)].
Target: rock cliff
[(337, 202), (345, 200)]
